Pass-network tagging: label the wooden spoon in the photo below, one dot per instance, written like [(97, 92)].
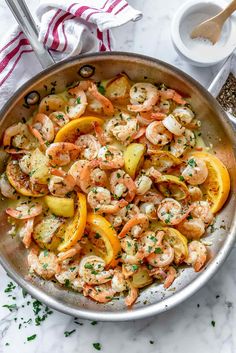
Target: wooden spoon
[(211, 29)]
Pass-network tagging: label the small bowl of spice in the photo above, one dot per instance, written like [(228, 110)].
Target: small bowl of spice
[(223, 87), (199, 51)]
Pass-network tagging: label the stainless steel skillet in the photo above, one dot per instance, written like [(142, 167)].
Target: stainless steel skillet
[(216, 130)]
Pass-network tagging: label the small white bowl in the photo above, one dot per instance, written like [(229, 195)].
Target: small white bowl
[(200, 52)]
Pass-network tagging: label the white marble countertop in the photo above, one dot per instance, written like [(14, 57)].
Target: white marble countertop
[(205, 323)]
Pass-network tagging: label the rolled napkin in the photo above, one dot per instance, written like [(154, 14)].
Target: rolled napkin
[(66, 28)]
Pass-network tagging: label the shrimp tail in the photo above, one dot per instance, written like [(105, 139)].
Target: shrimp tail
[(131, 223)]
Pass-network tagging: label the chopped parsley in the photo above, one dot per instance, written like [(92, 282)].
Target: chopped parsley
[(158, 251), (192, 163), (10, 287), (88, 266), (68, 333), (213, 323), (10, 307), (94, 323), (181, 178), (59, 116), (167, 220), (101, 89), (78, 100), (31, 338), (67, 282), (135, 267), (97, 346)]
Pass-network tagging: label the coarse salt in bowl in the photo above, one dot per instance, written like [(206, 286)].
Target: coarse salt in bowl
[(200, 51)]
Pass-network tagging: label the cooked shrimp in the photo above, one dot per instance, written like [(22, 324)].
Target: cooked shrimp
[(6, 189), (197, 255), (99, 199), (150, 147), (202, 210), (77, 104), (143, 184), (173, 125), (145, 118), (192, 228), (60, 183), (118, 282), (154, 174), (51, 103), (69, 275), (92, 176), (171, 275), (18, 136), (102, 293), (195, 193), (165, 106), (62, 153), (157, 134), (135, 225), (99, 177), (25, 211), (184, 115), (163, 256), (150, 241), (149, 209), (100, 134), (110, 157), (76, 169), (122, 127), (86, 182), (122, 185), (196, 171), (26, 232), (59, 119), (132, 252), (141, 132), (171, 94), (105, 102), (181, 143), (44, 126), (167, 274), (99, 196), (153, 197), (171, 212), (25, 163), (143, 96), (123, 215), (91, 270), (89, 146), (128, 269), (132, 295), (43, 263), (62, 256)]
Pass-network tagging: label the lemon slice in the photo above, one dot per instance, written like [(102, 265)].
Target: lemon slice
[(21, 181), (74, 229), (133, 158), (178, 242), (172, 186), (161, 160), (107, 244), (71, 131), (217, 185)]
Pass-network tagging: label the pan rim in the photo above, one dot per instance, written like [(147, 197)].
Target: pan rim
[(176, 298)]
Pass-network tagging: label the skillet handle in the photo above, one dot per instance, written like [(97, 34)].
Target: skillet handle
[(22, 14)]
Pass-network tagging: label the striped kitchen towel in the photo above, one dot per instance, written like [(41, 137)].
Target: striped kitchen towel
[(66, 28)]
